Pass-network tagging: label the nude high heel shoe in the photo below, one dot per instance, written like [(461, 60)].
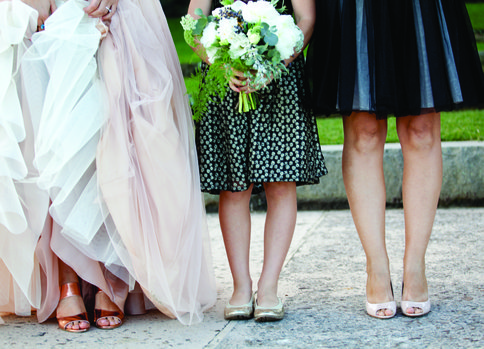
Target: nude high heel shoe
[(405, 305), (373, 309), (71, 290), (101, 313)]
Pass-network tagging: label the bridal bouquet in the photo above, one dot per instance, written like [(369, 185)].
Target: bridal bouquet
[(252, 38)]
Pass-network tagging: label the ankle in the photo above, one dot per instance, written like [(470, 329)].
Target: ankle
[(267, 294)]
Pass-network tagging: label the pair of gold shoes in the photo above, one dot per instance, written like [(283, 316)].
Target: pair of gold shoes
[(252, 310), (73, 323)]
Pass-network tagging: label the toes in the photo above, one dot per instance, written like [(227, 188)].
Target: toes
[(109, 321), (103, 321), (411, 310), (114, 320), (384, 312), (74, 325)]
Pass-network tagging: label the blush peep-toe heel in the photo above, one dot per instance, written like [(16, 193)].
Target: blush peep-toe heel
[(372, 309), (424, 306), (102, 313), (71, 290)]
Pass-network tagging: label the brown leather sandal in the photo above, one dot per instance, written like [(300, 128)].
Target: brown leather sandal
[(101, 313), (70, 290)]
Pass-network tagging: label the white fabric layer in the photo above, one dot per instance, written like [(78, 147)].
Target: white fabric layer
[(147, 165), (146, 160), (66, 103), (23, 207)]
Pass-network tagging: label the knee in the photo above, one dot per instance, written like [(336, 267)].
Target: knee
[(279, 190), (366, 137), (420, 134), (235, 197)]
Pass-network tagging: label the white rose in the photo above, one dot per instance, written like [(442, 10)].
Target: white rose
[(226, 30), (209, 35), (239, 46), (254, 36), (293, 37), (217, 12), (238, 5), (262, 11)]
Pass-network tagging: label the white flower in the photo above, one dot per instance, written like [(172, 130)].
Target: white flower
[(226, 30), (260, 11), (209, 35), (293, 37), (188, 22), (212, 52), (254, 36), (238, 5), (208, 39), (239, 45), (217, 12)]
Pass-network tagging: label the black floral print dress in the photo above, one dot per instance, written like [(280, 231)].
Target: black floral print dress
[(277, 142)]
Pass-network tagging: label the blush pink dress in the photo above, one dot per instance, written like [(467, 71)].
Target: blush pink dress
[(113, 160)]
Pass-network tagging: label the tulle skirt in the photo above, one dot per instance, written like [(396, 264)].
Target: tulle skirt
[(148, 170), (111, 151), (394, 57), (23, 205)]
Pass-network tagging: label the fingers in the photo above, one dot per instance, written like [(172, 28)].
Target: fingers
[(233, 87), (101, 8), (53, 6), (237, 84), (110, 14)]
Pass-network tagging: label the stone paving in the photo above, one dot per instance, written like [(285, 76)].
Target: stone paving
[(323, 287)]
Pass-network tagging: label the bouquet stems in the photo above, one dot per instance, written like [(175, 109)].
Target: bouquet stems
[(247, 101)]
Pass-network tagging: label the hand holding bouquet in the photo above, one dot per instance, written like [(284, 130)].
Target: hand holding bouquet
[(252, 39)]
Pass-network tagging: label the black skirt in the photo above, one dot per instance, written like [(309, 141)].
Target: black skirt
[(394, 57), (277, 142)]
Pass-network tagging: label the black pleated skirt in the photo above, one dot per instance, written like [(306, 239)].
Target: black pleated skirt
[(394, 57)]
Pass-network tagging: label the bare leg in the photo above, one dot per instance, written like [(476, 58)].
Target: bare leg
[(364, 140), (422, 181), (278, 232), (234, 216), (70, 306)]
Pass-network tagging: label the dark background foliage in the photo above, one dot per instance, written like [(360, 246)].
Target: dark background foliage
[(175, 8)]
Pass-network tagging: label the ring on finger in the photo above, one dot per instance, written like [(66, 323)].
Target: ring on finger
[(109, 9)]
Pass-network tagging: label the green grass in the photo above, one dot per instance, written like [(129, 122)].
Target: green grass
[(456, 126), (476, 13), (185, 53)]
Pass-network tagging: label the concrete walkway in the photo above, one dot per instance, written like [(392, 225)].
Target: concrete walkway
[(323, 287)]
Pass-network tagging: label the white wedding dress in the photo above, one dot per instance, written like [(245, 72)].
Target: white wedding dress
[(114, 150)]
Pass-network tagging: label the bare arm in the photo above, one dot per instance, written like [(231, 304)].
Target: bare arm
[(206, 6), (305, 13)]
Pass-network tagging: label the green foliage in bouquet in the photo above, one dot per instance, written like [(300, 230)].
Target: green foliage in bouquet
[(245, 46)]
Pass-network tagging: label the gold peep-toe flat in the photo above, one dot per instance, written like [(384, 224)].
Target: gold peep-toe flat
[(239, 312), (265, 314)]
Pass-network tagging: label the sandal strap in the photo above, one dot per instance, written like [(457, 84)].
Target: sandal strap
[(69, 289)]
